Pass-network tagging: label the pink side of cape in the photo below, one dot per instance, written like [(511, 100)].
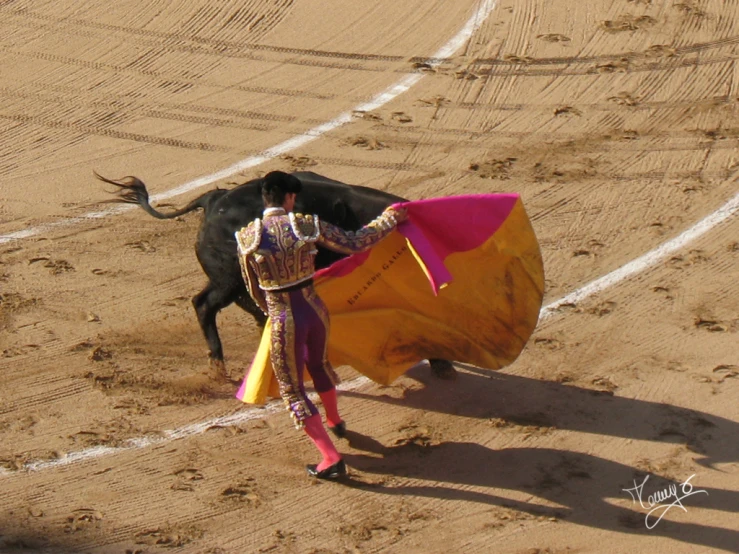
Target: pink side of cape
[(438, 227)]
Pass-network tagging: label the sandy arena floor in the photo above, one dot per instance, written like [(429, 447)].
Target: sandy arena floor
[(616, 120)]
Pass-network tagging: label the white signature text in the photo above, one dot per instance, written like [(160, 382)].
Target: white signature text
[(660, 500)]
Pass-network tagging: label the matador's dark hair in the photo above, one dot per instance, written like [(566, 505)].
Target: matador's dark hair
[(276, 184)]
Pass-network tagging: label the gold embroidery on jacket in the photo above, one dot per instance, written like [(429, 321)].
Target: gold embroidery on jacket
[(248, 240), (352, 242), (283, 248), (285, 258), (249, 237)]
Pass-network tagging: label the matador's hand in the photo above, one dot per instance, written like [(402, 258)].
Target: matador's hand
[(400, 214)]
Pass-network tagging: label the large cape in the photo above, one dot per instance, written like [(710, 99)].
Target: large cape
[(461, 279)]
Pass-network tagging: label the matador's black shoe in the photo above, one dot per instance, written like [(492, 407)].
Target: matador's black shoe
[(338, 430), (333, 472)]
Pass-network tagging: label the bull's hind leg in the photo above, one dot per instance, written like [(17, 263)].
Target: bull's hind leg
[(246, 303), (207, 304)]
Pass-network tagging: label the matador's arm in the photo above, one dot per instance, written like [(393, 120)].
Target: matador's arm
[(252, 283), (352, 242), (248, 240)]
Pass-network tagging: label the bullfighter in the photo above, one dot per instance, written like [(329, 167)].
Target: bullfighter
[(277, 255)]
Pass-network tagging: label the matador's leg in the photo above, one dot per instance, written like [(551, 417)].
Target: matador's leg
[(321, 371), (288, 359), (289, 328), (319, 367)]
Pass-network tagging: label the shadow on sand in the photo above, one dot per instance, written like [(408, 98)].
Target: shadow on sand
[(579, 483)]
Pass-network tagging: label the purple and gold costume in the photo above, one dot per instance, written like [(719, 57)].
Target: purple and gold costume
[(277, 256)]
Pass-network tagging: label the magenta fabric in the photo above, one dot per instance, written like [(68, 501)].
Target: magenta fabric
[(438, 227), (468, 220), (317, 432), (331, 406)]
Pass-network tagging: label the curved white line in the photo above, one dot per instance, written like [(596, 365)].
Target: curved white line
[(402, 86), (169, 435), (635, 266), (647, 260)]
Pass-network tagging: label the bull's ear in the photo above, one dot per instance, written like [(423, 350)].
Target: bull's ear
[(340, 211)]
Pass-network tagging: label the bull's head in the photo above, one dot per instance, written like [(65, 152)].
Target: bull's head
[(344, 216)]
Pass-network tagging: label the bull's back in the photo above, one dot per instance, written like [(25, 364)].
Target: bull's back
[(228, 212)]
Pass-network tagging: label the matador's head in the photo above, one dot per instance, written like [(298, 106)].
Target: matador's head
[(279, 188)]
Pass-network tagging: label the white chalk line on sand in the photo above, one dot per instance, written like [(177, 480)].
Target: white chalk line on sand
[(647, 260), (638, 265), (389, 94), (167, 436)]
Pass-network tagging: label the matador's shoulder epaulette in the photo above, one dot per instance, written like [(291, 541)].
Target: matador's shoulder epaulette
[(306, 227), (249, 237)]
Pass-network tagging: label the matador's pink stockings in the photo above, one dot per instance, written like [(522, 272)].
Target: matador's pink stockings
[(317, 432), (331, 406)]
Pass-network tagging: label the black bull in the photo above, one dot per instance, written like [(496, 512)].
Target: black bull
[(227, 211)]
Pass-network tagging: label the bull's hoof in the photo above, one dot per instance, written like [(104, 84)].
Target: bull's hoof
[(443, 369), (218, 371), (219, 390)]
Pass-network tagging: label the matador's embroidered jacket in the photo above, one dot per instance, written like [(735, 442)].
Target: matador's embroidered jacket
[(279, 251)]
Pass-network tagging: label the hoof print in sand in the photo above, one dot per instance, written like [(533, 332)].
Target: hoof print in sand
[(423, 66), (624, 99), (665, 291), (567, 110), (368, 143), (55, 267), (81, 519), (244, 492), (618, 66), (494, 169), (660, 51), (414, 436), (627, 23), (605, 384), (99, 354), (514, 59), (554, 37), (401, 117), (169, 537), (710, 324), (186, 479), (692, 258), (548, 343), (725, 371), (525, 424), (142, 245), (465, 75), (299, 162), (369, 116), (603, 308), (689, 8)]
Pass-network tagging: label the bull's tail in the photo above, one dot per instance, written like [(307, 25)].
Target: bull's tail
[(133, 191)]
